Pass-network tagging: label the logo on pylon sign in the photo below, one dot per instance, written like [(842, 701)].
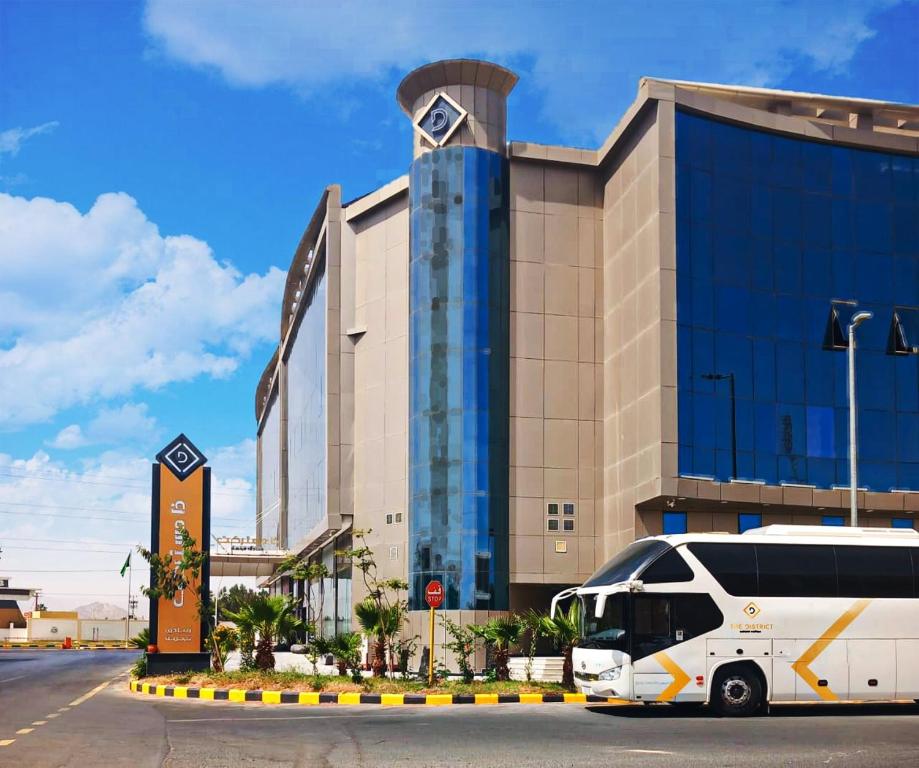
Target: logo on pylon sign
[(440, 119), (181, 457)]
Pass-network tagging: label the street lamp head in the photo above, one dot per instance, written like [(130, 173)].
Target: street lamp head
[(859, 317)]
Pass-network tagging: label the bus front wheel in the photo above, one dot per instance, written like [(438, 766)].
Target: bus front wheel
[(737, 691)]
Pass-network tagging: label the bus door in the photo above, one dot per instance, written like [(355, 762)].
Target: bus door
[(664, 658)]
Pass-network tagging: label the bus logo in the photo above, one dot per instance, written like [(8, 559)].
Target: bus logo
[(752, 610)]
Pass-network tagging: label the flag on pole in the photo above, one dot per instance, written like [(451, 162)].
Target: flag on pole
[(127, 564)]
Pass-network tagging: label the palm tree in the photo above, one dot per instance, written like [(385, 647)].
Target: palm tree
[(271, 618), (346, 648), (141, 639), (501, 634), (379, 622), (533, 626), (565, 629)]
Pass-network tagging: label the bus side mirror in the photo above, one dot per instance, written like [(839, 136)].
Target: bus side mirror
[(601, 606)]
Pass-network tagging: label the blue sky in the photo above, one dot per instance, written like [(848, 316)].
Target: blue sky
[(159, 161)]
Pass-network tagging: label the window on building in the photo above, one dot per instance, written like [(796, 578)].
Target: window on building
[(569, 508), (388, 519), (552, 509), (398, 517), (674, 522), (749, 520), (901, 522), (568, 525), (837, 520), (551, 524)]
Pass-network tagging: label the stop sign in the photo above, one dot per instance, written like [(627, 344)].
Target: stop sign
[(434, 594)]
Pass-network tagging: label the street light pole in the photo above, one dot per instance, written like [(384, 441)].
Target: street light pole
[(857, 319)]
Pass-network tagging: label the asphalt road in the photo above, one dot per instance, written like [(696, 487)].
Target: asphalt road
[(113, 727)]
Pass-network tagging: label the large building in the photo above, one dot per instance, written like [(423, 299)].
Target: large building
[(516, 359)]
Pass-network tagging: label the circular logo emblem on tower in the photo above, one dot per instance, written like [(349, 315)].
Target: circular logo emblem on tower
[(181, 457), (440, 119)]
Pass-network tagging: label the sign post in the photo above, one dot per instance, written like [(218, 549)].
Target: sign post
[(181, 501), (434, 596)]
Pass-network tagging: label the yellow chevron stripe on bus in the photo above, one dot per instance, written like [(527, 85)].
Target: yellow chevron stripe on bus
[(802, 665)]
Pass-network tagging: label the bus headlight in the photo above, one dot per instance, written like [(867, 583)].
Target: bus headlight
[(610, 674)]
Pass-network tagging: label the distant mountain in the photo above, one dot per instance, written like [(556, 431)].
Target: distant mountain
[(100, 611)]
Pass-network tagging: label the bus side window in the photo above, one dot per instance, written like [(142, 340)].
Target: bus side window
[(668, 568), (796, 570), (874, 572), (694, 615), (732, 565)]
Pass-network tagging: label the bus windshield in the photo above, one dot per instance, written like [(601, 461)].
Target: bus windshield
[(608, 631), (630, 561)]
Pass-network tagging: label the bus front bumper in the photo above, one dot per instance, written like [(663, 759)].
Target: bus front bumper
[(603, 688)]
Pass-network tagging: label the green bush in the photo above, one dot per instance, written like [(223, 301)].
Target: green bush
[(140, 666)]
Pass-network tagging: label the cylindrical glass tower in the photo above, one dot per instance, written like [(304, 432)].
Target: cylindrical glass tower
[(459, 301)]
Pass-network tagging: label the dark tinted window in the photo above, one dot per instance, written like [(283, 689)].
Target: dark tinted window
[(661, 621), (667, 568), (732, 565), (632, 559), (874, 572), (796, 570), (694, 615), (650, 625), (914, 552)]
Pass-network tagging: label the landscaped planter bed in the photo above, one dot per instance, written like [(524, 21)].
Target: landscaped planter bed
[(296, 681)]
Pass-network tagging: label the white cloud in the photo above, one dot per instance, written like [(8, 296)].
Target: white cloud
[(85, 521), (580, 61), (128, 423), (98, 305), (68, 438), (12, 139)]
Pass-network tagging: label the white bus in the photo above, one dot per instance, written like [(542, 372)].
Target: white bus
[(776, 614)]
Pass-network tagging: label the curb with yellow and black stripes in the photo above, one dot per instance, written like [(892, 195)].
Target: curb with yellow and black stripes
[(75, 647), (240, 695)]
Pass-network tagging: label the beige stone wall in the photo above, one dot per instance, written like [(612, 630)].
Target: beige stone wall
[(379, 340), (555, 367), (639, 340)]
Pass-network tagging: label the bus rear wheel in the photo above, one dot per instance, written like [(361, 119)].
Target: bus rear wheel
[(737, 691)]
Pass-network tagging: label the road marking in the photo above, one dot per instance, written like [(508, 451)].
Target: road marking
[(24, 731), (93, 692), (6, 742), (52, 716), (650, 752), (40, 722), (10, 679), (64, 709)]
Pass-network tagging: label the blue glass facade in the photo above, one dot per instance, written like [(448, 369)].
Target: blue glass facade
[(771, 231), (458, 370), (307, 474)]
